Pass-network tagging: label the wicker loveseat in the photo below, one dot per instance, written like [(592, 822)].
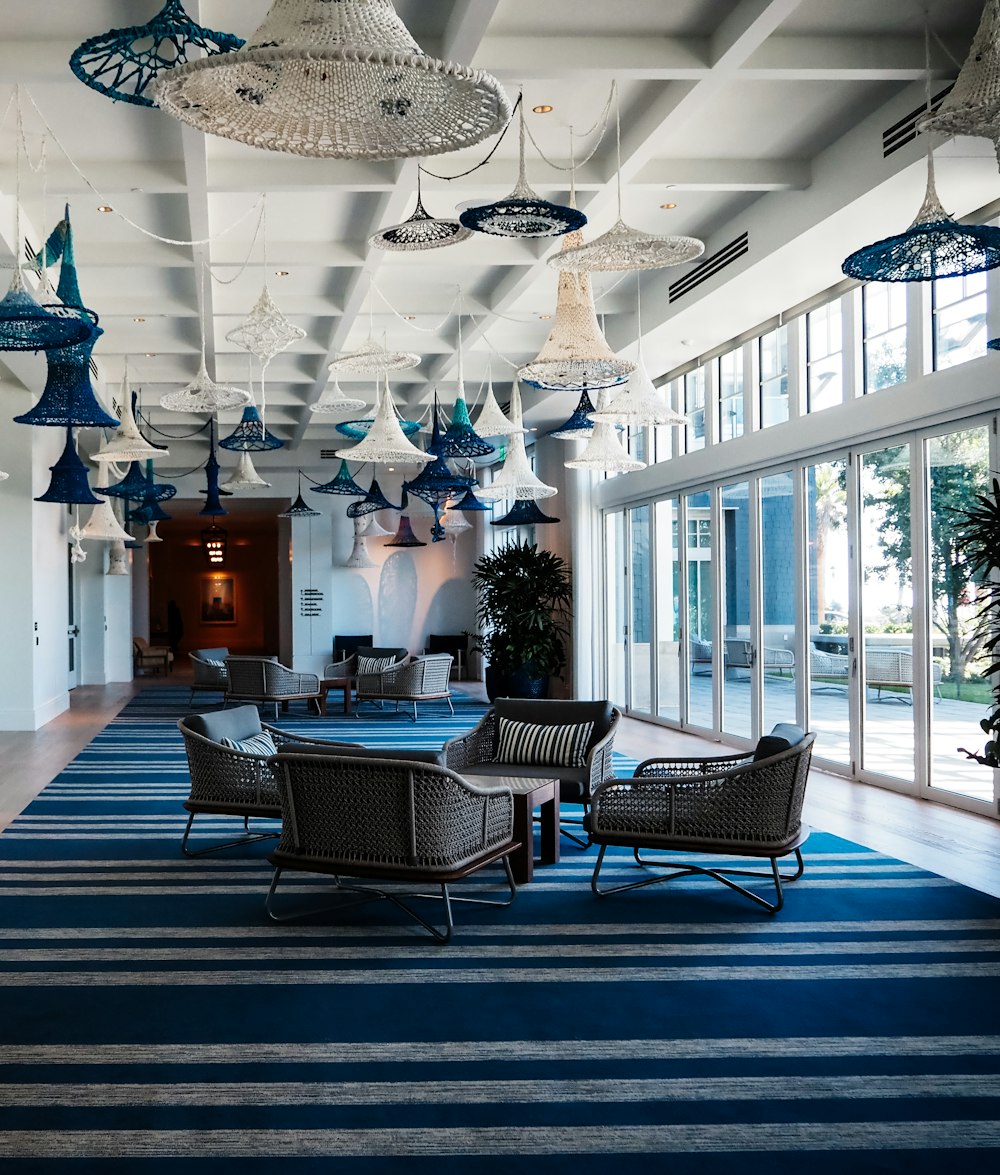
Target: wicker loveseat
[(393, 816), (228, 781), (477, 751), (747, 805)]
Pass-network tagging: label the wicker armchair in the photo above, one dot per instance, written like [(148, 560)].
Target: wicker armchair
[(475, 752), (209, 668), (262, 679), (418, 680), (229, 782), (394, 816), (747, 805)]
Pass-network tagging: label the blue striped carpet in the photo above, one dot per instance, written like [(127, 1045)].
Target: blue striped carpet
[(152, 1020)]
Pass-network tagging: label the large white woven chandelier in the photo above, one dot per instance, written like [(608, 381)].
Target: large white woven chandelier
[(972, 107), (342, 80), (385, 443), (128, 444), (516, 478)]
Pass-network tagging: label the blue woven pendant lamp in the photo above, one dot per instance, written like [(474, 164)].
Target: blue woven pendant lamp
[(579, 426), (213, 507), (461, 439), (373, 501), (524, 512), (27, 326), (132, 487), (343, 483), (436, 483), (122, 63), (468, 503), (523, 213), (69, 478), (993, 344), (299, 508), (250, 435)]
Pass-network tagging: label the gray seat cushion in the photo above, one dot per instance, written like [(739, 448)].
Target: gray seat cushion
[(211, 654), (239, 722), (356, 751)]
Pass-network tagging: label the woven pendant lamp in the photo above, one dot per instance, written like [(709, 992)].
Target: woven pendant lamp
[(149, 510), (492, 421), (454, 524), (245, 477), (123, 63), (68, 482), (25, 325), (342, 80), (299, 508), (265, 332), (372, 359), (373, 500), (935, 245), (374, 529), (436, 482), (973, 105), (460, 438), (131, 488), (359, 557), (419, 231), (385, 443), (524, 512), (151, 535), (576, 354), (68, 396), (516, 479), (404, 536), (102, 525), (128, 444), (213, 507), (343, 483), (604, 451), (638, 404), (203, 394), (468, 503), (357, 430), (579, 426), (250, 435), (523, 213), (625, 248), (334, 400), (118, 558)]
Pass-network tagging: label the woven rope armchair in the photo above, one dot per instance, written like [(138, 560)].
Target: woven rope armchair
[(263, 679), (229, 782), (747, 805), (209, 668), (377, 816), (476, 751), (419, 680)]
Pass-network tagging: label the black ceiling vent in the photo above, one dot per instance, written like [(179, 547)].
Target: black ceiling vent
[(905, 131), (328, 455), (710, 267)]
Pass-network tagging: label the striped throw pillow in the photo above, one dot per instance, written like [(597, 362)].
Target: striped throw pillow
[(214, 664), (256, 744), (543, 746), (375, 664)]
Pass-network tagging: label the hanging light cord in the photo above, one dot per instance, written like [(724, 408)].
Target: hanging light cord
[(463, 174), (602, 121)]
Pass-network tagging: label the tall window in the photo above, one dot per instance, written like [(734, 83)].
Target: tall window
[(731, 395), (825, 356), (694, 408), (959, 319), (666, 438), (883, 309), (774, 377)]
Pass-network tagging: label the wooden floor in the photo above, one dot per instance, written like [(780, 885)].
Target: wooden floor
[(944, 840)]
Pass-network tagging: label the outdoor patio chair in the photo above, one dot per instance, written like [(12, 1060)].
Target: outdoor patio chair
[(419, 680), (262, 679), (828, 665), (229, 768), (388, 816), (740, 654), (746, 805), (543, 739), (210, 674)]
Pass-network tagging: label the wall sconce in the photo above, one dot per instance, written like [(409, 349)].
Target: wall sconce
[(213, 542)]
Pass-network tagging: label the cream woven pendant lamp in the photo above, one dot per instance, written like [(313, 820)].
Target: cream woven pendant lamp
[(492, 421), (359, 557), (973, 105), (638, 405), (604, 452), (341, 80), (118, 563), (385, 442), (576, 354), (265, 332), (334, 400), (625, 248), (419, 231), (203, 394), (245, 477), (128, 444), (516, 478), (102, 525), (371, 358)]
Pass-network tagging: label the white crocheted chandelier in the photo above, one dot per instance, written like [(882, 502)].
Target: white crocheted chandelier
[(342, 80), (385, 442), (516, 478), (604, 452), (973, 105), (245, 477), (128, 444)]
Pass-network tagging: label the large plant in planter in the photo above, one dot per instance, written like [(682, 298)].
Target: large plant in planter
[(978, 531), (523, 607)]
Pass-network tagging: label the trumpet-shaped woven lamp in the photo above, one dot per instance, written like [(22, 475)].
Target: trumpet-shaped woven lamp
[(419, 231), (524, 512), (334, 400), (404, 536), (604, 451), (343, 483), (128, 444), (342, 80), (373, 500), (102, 525), (250, 435), (122, 64), (492, 421), (638, 404), (245, 477), (68, 482), (516, 478), (385, 443), (203, 394), (359, 557), (523, 213), (299, 508), (25, 325), (972, 107), (579, 426)]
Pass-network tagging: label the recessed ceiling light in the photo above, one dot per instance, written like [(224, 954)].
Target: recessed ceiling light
[(104, 208), (150, 354), (668, 205), (410, 317), (541, 109), (138, 320), (281, 273), (545, 317)]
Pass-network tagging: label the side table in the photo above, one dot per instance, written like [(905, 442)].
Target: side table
[(344, 683), (528, 795)]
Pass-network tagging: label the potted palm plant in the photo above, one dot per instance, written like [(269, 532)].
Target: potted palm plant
[(522, 608)]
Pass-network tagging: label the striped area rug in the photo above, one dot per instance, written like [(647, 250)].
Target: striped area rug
[(152, 1020)]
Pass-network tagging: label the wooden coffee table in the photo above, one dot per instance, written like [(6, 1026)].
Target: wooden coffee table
[(528, 795), (343, 683)]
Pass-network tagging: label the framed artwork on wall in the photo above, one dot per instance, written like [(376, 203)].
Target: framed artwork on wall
[(218, 599)]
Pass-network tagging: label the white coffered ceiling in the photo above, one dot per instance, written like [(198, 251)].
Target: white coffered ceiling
[(757, 116)]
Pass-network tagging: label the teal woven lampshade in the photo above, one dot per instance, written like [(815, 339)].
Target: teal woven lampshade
[(343, 483)]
